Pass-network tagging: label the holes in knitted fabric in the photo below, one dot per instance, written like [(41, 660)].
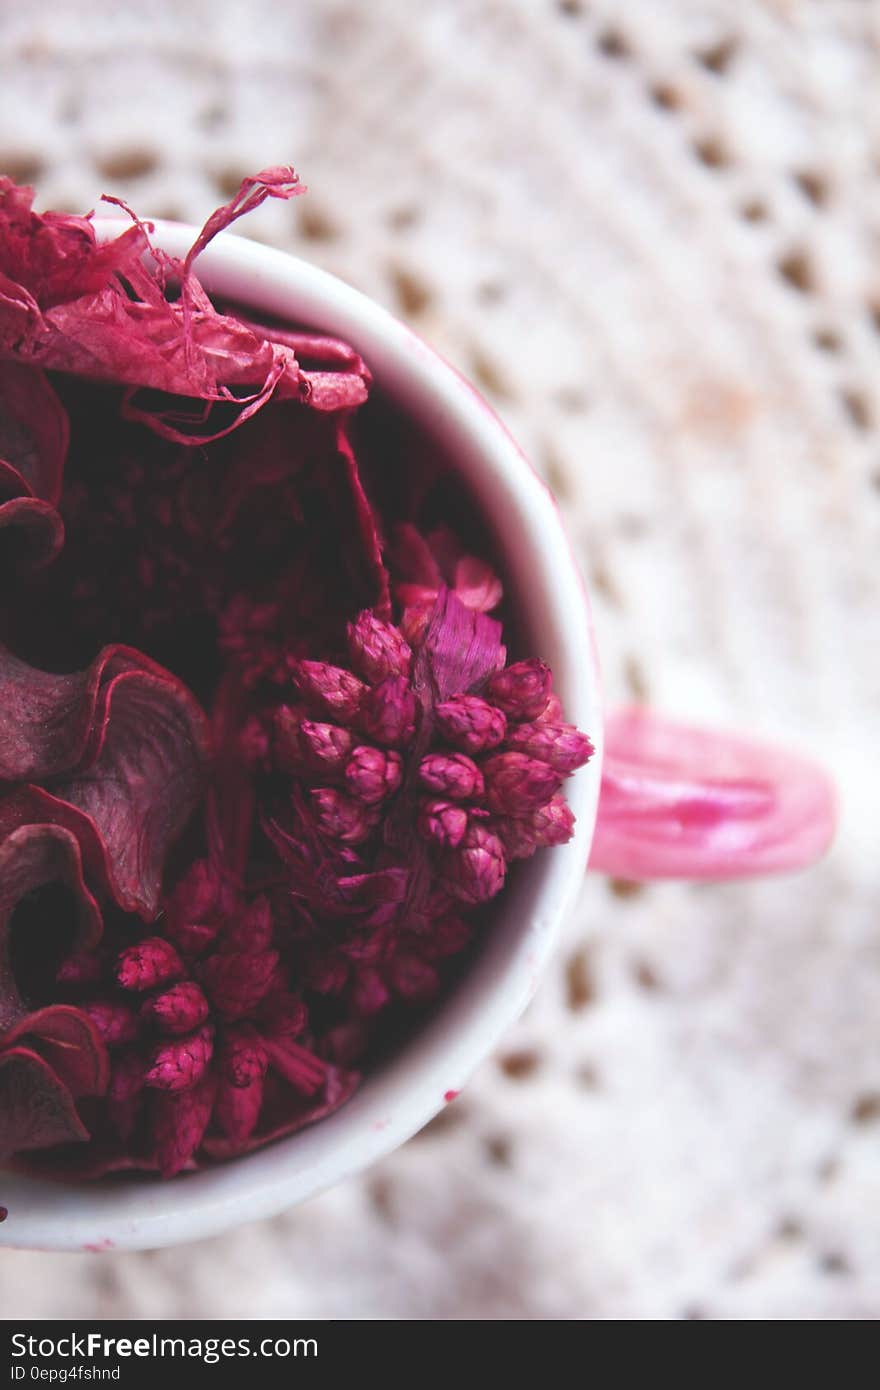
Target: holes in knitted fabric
[(499, 1150), (571, 399), (718, 56), (789, 1229), (212, 116), (572, 9), (555, 474), (133, 162), (586, 1076), (856, 407), (520, 1065), (795, 269), (624, 888), (313, 223), (827, 340), (612, 44), (866, 1108), (813, 186), (580, 986), (21, 166), (828, 1170), (754, 210), (412, 294), (449, 1118), (491, 291), (666, 96), (645, 976), (227, 180), (487, 375), (602, 582), (711, 152), (403, 217), (834, 1262), (380, 1192)]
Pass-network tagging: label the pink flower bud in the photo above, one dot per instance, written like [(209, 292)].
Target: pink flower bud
[(236, 981), (116, 1023), (369, 994), (419, 605), (177, 1010), (372, 774), (521, 690), (285, 1018), (325, 748), (469, 723), (517, 838), (376, 649), (126, 1076), (341, 817), (84, 968), (388, 712), (475, 871), (330, 690), (552, 824), (151, 962), (199, 894), (451, 774), (176, 1065), (286, 748), (237, 1108), (561, 746), (553, 712), (243, 1058), (192, 939), (252, 931), (179, 1121), (516, 784), (442, 822), (412, 978)]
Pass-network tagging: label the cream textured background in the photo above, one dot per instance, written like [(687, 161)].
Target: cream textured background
[(651, 233)]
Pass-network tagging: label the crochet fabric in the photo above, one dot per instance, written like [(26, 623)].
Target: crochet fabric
[(649, 233)]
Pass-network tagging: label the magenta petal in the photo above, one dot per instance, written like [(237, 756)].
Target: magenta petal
[(67, 1039), (145, 783), (30, 857), (36, 1108), (678, 802)]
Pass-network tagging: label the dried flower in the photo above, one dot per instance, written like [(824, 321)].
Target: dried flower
[(285, 758)]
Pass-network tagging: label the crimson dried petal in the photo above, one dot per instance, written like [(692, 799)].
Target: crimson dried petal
[(516, 784), (37, 1109), (373, 774), (471, 723), (323, 748), (413, 978), (151, 962), (369, 994), (562, 746), (475, 870), (115, 1023), (388, 712), (177, 1010), (33, 445), (179, 1120), (250, 931), (522, 689), (301, 1068), (377, 649), (442, 822), (237, 1108), (176, 1065), (236, 982), (451, 774), (341, 817), (331, 690)]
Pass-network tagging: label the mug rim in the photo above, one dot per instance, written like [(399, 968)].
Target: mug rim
[(405, 1090)]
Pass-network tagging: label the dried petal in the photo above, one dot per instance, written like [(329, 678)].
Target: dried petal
[(252, 931), (150, 963), (470, 723), (237, 1108), (177, 1010), (516, 784), (451, 774), (116, 1023), (127, 1076), (521, 690), (388, 712), (332, 691), (372, 774), (561, 746), (237, 981), (286, 747), (442, 822), (369, 994), (243, 1057), (176, 1065), (324, 748), (179, 1121), (475, 871), (412, 978), (341, 817), (377, 649)]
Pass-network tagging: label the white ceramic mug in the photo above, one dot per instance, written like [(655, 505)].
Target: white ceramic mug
[(673, 801)]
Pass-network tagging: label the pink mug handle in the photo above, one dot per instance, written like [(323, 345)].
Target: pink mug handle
[(678, 802)]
